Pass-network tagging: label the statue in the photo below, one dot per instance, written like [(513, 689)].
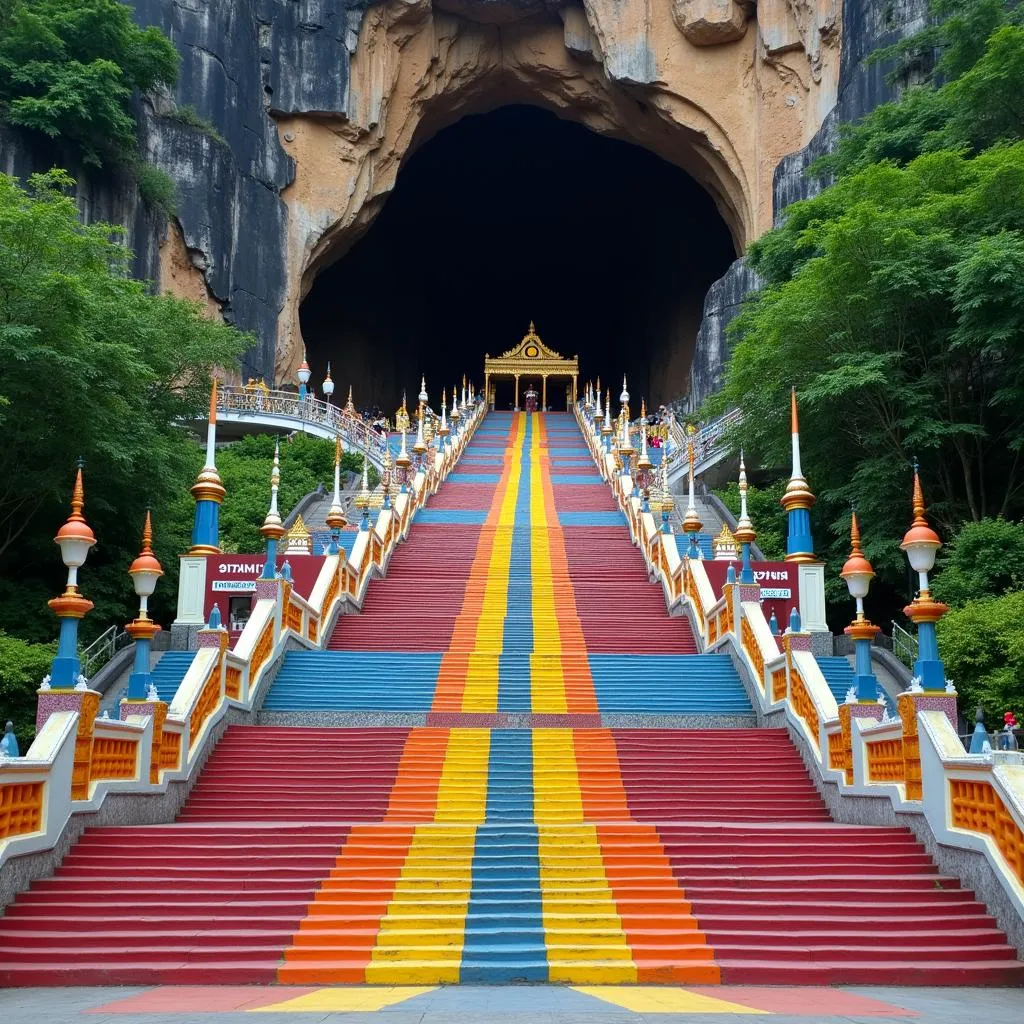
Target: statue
[(531, 399)]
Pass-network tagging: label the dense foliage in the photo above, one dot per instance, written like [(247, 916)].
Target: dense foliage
[(22, 668), (93, 365), (764, 509), (68, 69), (894, 302), (982, 645)]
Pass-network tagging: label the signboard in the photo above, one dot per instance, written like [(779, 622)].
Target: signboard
[(231, 582), (780, 590)]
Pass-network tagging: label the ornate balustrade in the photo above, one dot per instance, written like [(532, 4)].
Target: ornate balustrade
[(77, 758), (918, 763), (286, 409)]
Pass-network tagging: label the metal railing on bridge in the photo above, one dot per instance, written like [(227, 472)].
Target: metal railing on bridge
[(284, 409)]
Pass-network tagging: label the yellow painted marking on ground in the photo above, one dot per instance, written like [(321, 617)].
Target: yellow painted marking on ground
[(556, 783), (422, 934), (547, 680), (582, 929), (462, 791), (341, 1000), (662, 999), (481, 691)]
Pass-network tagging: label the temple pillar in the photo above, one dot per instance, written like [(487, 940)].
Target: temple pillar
[(544, 393), (515, 404)]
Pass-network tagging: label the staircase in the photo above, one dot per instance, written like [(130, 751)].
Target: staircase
[(549, 817)]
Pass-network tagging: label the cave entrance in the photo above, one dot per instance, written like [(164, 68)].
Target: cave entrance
[(513, 216)]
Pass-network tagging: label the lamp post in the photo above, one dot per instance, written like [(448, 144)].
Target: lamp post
[(328, 385), (74, 539), (303, 374), (144, 571), (858, 574), (921, 543)]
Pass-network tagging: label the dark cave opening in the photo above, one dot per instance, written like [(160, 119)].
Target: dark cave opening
[(513, 216)]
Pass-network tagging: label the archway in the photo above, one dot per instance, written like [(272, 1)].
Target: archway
[(512, 216)]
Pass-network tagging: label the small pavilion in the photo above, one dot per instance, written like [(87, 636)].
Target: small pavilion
[(533, 360)]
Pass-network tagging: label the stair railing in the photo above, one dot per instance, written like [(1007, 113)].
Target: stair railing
[(916, 762), (904, 645)]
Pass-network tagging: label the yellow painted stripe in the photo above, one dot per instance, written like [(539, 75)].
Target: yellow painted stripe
[(462, 790), (547, 680), (582, 929), (481, 692), (423, 932)]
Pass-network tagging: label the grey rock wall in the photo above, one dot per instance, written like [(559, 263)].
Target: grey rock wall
[(244, 60)]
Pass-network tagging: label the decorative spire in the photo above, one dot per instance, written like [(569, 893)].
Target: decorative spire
[(420, 445), (363, 501), (443, 430), (456, 415), (744, 532), (387, 476), (402, 464), (272, 526), (335, 517), (607, 430), (350, 406), (423, 391), (598, 411), (797, 500), (691, 523), (644, 460)]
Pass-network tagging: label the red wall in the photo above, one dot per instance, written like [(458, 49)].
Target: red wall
[(229, 576), (773, 577)]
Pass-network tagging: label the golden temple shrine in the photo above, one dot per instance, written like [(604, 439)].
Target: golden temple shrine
[(533, 360)]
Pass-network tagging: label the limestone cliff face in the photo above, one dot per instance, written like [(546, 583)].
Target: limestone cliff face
[(867, 26), (317, 103)]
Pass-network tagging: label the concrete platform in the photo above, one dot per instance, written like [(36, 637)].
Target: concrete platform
[(506, 1005)]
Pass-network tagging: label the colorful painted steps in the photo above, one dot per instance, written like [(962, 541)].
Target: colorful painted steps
[(528, 615), (496, 856)]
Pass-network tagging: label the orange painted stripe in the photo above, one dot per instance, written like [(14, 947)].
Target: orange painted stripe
[(580, 697), (336, 938), (451, 676), (414, 794), (657, 919)]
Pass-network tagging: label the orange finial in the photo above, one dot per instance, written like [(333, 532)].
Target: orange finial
[(794, 425), (147, 534), (77, 498), (855, 548), (213, 401), (918, 499)]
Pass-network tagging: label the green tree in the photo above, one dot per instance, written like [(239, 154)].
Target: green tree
[(982, 646), (984, 559), (68, 69), (891, 302), (94, 365), (22, 668), (767, 515)]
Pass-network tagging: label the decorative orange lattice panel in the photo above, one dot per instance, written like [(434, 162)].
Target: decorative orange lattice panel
[(209, 698), (232, 681), (156, 756), (21, 808), (80, 772), (170, 751), (311, 629), (911, 745), (330, 595), (778, 684), (803, 705), (753, 649), (261, 652), (294, 618), (977, 807), (840, 745), (885, 760), (113, 758)]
